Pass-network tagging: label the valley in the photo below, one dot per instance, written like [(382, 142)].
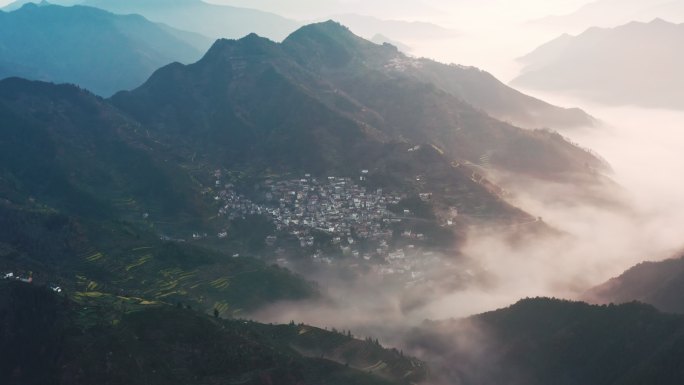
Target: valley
[(202, 192)]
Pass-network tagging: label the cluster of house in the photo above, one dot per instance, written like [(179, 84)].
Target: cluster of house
[(402, 64), (28, 279), (333, 205), (348, 213), (17, 277)]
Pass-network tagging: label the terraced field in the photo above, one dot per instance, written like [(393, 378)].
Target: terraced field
[(173, 273)]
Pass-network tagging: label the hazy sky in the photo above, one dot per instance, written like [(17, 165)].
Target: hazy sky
[(439, 11), (452, 13), (493, 33)]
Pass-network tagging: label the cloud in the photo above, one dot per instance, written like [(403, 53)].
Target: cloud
[(495, 268)]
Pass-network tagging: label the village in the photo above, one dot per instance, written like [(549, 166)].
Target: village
[(12, 276), (357, 222), (335, 205)]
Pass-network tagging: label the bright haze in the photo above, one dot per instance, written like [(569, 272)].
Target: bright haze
[(492, 30), (641, 144)]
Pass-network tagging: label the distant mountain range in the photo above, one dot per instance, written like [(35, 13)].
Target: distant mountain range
[(612, 13), (547, 341), (222, 21), (634, 64), (210, 20), (95, 49), (13, 6), (660, 284), (120, 52), (368, 26), (215, 21)]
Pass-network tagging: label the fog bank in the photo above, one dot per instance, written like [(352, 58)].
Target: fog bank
[(599, 241)]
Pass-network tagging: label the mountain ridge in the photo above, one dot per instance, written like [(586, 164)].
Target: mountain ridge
[(88, 46), (474, 86), (217, 21), (543, 340), (657, 283), (632, 64)]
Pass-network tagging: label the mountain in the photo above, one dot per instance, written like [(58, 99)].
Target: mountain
[(548, 341), (215, 21), (476, 87), (120, 195), (80, 155), (95, 49), (374, 75), (634, 64), (250, 105), (320, 79), (109, 339), (612, 13), (660, 284), (127, 194), (86, 195), (13, 6)]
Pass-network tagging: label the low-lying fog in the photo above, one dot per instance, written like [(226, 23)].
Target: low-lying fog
[(643, 147)]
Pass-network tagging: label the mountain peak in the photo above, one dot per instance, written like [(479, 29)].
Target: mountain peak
[(325, 30), (329, 27), (660, 21), (330, 43), (252, 45), (31, 5)]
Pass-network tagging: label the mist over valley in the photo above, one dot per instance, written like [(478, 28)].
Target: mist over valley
[(421, 192)]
